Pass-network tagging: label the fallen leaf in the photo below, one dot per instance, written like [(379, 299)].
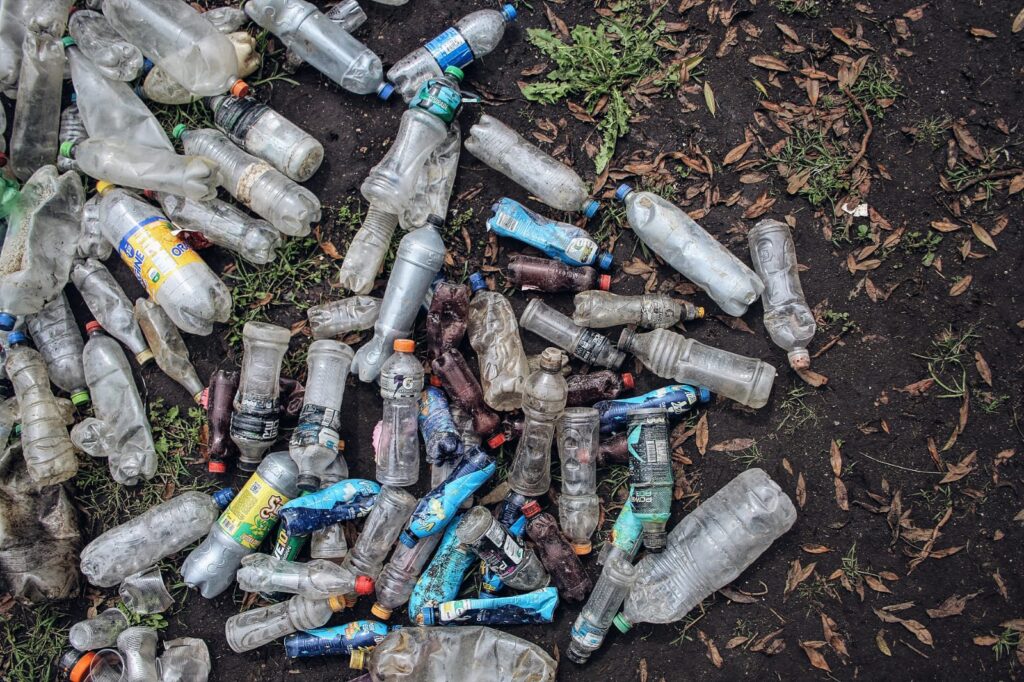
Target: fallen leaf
[(983, 236), (812, 378), (556, 23), (829, 627), (842, 498), (1001, 584), (912, 626), (701, 434), (918, 388), (769, 62), (881, 643), (983, 368), (1018, 22), (636, 266), (737, 152), (978, 32), (944, 226), (797, 574), (643, 670), (737, 596), (733, 445), (709, 98), (835, 458), (712, 650), (985, 640), (916, 13), (815, 549), (954, 472), (736, 641), (961, 286), (331, 250), (815, 657), (801, 490), (876, 584), (952, 606), (1016, 183), (967, 143)]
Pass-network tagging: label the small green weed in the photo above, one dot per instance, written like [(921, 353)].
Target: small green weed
[(808, 8), (946, 361), (616, 478), (931, 131), (796, 411), (815, 591), (33, 639), (812, 153), (876, 89), (965, 175), (1007, 643), (928, 242), (750, 457), (852, 569), (861, 234), (991, 403), (938, 499), (834, 318)]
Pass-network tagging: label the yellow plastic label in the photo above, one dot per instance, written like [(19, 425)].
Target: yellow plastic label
[(252, 513), (154, 254)]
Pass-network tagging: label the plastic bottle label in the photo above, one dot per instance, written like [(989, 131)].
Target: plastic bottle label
[(399, 386), (252, 513), (587, 635), (450, 49), (153, 253), (571, 245), (589, 347), (437, 507), (581, 249), (501, 552), (436, 97), (317, 425)]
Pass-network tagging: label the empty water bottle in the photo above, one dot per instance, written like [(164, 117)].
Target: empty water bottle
[(578, 505), (438, 508), (674, 400), (186, 659), (591, 626), (586, 389), (316, 579), (442, 579), (160, 86), (494, 335), (605, 309), (91, 242), (440, 435), (366, 252), (14, 16), (114, 57), (380, 530), (551, 181), (452, 372), (570, 244), (543, 274), (145, 593), (347, 14), (446, 317), (222, 224), (335, 640), (252, 629), (627, 534), (650, 474), (99, 632), (670, 355), (58, 340), (396, 581), (138, 647), (110, 306), (256, 419), (314, 442), (72, 129), (36, 125), (584, 344), (544, 395), (398, 444), (163, 530), (516, 565), (709, 549), (337, 318), (435, 183), (226, 19), (521, 609), (168, 347)]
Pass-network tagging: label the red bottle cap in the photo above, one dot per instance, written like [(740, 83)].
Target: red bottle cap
[(149, 194), (204, 398), (93, 326), (3, 159), (435, 381), (628, 381), (496, 441), (215, 466), (364, 585), (604, 282), (530, 509)]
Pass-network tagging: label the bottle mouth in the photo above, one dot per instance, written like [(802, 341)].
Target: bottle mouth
[(626, 339)]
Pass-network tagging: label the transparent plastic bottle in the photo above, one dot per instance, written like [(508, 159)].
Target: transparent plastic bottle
[(46, 446), (746, 380), (650, 474), (337, 318), (686, 246), (452, 371), (494, 335), (138, 649), (322, 43), (185, 659), (420, 257), (159, 86), (113, 56), (110, 306), (605, 309), (556, 553), (435, 183), (398, 446), (471, 38), (98, 632), (516, 565), (570, 244), (168, 347), (591, 626), (533, 169), (177, 38), (145, 593), (226, 19), (290, 208), (380, 530), (443, 576), (709, 549), (347, 14), (58, 340), (71, 129), (13, 22), (366, 253), (544, 395), (256, 420), (314, 442), (399, 576), (316, 579), (543, 274), (330, 542), (582, 343), (36, 125), (256, 627), (578, 505), (161, 531), (240, 530), (255, 240), (440, 435), (787, 316), (335, 640)]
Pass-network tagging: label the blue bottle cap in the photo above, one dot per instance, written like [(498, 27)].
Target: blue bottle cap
[(604, 260), (509, 12), (428, 615), (591, 208), (407, 539), (477, 282), (385, 91), (223, 497), (703, 395), (74, 97), (7, 322), (622, 191), (15, 338)]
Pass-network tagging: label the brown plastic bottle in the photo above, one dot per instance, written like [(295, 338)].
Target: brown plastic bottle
[(542, 274), (446, 319), (293, 394), (451, 370), (217, 400), (613, 452), (557, 555), (587, 389)]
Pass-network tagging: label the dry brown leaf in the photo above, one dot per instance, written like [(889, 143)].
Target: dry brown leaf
[(1001, 585), (835, 458), (812, 378), (643, 670), (736, 641), (557, 24), (701, 434), (733, 445), (331, 250), (787, 31), (985, 640), (916, 13), (881, 643), (712, 650), (944, 226), (1018, 22), (814, 656), (801, 490), (737, 152), (918, 388), (636, 266), (967, 143), (961, 286), (829, 627), (759, 207), (912, 626), (952, 606), (876, 584), (957, 471), (979, 32), (769, 62), (815, 549), (737, 596), (842, 498), (797, 574), (983, 236), (1016, 183), (983, 368)]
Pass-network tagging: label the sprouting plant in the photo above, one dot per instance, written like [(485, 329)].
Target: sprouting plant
[(822, 160), (928, 242), (1007, 642), (750, 457), (796, 410), (946, 361), (808, 8), (931, 130), (876, 88)]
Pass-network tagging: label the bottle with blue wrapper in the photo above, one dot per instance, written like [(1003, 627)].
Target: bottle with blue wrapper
[(385, 521), (396, 581), (442, 579), (626, 535), (440, 436), (570, 244), (674, 400), (520, 609), (336, 640), (510, 510), (330, 542), (491, 583), (346, 500), (516, 564), (650, 473), (314, 442)]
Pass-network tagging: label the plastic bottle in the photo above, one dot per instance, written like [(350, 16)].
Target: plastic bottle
[(380, 530), (344, 500), (544, 396), (543, 274), (613, 451), (337, 318), (58, 340), (218, 399), (113, 56), (145, 593), (226, 19), (185, 659), (584, 344), (330, 542), (13, 22), (347, 14), (211, 566), (36, 124), (138, 647), (398, 445), (366, 253), (674, 400), (709, 549), (256, 419), (438, 508), (49, 454), (605, 309), (551, 181), (446, 318), (443, 576), (322, 43), (174, 276), (586, 389), (169, 348), (163, 530), (420, 257), (494, 335), (435, 183), (650, 474), (399, 576), (91, 242), (316, 579), (591, 626), (178, 40), (510, 509), (559, 557), (289, 207), (578, 505), (254, 628), (567, 243), (98, 632), (746, 380), (454, 374), (335, 640), (521, 609), (255, 240), (110, 306), (71, 129), (626, 535), (440, 435), (516, 565), (159, 86)]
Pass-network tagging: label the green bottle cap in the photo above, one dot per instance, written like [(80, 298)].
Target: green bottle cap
[(66, 147), (178, 131), (455, 72), (621, 624), (80, 398), (67, 41)]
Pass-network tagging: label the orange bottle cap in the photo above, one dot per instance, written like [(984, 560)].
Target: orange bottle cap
[(240, 88), (628, 381), (404, 345), (604, 282)]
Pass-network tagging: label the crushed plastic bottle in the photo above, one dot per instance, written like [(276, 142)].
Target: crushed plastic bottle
[(650, 474), (438, 508), (440, 435), (443, 576), (36, 124), (586, 389), (746, 380), (314, 442), (592, 625), (582, 343), (330, 542), (91, 242), (110, 306), (399, 576), (13, 22), (687, 247), (138, 647), (336, 640), (337, 318), (605, 309), (113, 56), (567, 243), (186, 659), (494, 335), (435, 183), (344, 500), (557, 554), (145, 592), (578, 505), (168, 347), (256, 627), (709, 549), (516, 565), (316, 579), (380, 531), (161, 531), (58, 340), (160, 86), (398, 443), (256, 419), (452, 371), (99, 632), (525, 164), (72, 129), (367, 251), (218, 400), (226, 19), (543, 274), (521, 609), (255, 240), (446, 318), (674, 400), (544, 395)]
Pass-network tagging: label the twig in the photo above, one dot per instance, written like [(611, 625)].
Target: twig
[(867, 133), (994, 175), (897, 466)]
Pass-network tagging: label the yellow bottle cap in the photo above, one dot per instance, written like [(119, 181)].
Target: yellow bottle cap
[(144, 358), (357, 659), (102, 186), (381, 612)]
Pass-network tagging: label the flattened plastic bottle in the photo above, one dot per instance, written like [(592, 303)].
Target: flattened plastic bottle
[(746, 380), (435, 183), (627, 533), (399, 576), (452, 371), (110, 306), (36, 125), (366, 253), (185, 659), (138, 648), (398, 446), (543, 274), (316, 579), (578, 505), (525, 164), (222, 224), (559, 557), (343, 500), (14, 16), (337, 318), (544, 395), (58, 340), (709, 549), (168, 347), (440, 435), (290, 208), (570, 244), (591, 626), (494, 335), (516, 565), (650, 474), (443, 576), (161, 531), (256, 627), (114, 57), (520, 609), (674, 400), (605, 309), (335, 640), (580, 342), (446, 317), (256, 420), (437, 508), (98, 632), (159, 86), (586, 389), (380, 531)]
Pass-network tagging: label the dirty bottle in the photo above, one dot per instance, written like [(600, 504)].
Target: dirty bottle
[(335, 640), (443, 576), (578, 505), (163, 530), (525, 164), (316, 579), (746, 380), (267, 192), (494, 335), (521, 609), (586, 389), (516, 565), (322, 43), (559, 557), (168, 347), (380, 531), (650, 474), (314, 442), (257, 411), (787, 317), (36, 124), (58, 340), (174, 276), (567, 243), (420, 257), (708, 549), (145, 592), (110, 306), (218, 400), (605, 309), (437, 508), (398, 445), (471, 38), (530, 273), (254, 628), (222, 224), (627, 533), (446, 318), (440, 435), (71, 129), (594, 621), (91, 242), (138, 649), (347, 14), (344, 500), (185, 659), (464, 423), (674, 400), (399, 576), (113, 56), (14, 17), (98, 632), (544, 395), (369, 247), (686, 246), (435, 183), (582, 343), (613, 451), (337, 318), (454, 374), (159, 86)]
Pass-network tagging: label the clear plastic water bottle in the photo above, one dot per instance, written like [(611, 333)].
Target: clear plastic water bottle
[(172, 272), (138, 649), (591, 626), (98, 632), (314, 442), (398, 446), (471, 38), (110, 306), (337, 318), (71, 129), (322, 43), (145, 593), (670, 355), (256, 627), (159, 86), (366, 253), (668, 231), (440, 435), (570, 244), (256, 420), (544, 395), (787, 316), (114, 57), (516, 565), (316, 579), (584, 344), (435, 183), (650, 474), (36, 125), (709, 549), (161, 531), (396, 581), (185, 659), (335, 640), (525, 164), (347, 14), (255, 240), (91, 242), (168, 347), (578, 505), (58, 340), (380, 531), (605, 309), (290, 208), (494, 335), (13, 23)]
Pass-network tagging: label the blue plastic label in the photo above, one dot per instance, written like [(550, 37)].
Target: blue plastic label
[(675, 400), (344, 501), (438, 428), (442, 579), (336, 640), (450, 49), (436, 509), (438, 98), (567, 243), (627, 530), (521, 609)]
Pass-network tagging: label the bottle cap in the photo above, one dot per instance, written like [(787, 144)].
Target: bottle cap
[(16, 337), (80, 398), (407, 538), (604, 260), (621, 623), (590, 208), (582, 548), (364, 586), (628, 381), (102, 186), (404, 345), (144, 358), (7, 322), (224, 496), (66, 147), (434, 219), (357, 659), (149, 194), (477, 282), (216, 466), (385, 91), (203, 398), (435, 381), (604, 282), (622, 191), (455, 72), (240, 88), (67, 41), (496, 441), (551, 360), (427, 615), (703, 395), (531, 509), (509, 13), (73, 665), (799, 358), (337, 603), (178, 130), (380, 611), (654, 540), (93, 326)]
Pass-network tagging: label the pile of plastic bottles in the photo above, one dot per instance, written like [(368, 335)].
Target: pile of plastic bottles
[(155, 203)]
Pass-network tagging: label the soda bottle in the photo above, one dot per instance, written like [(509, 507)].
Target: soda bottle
[(591, 626), (382, 527), (314, 442), (746, 380), (562, 241), (586, 389), (543, 274), (558, 556), (337, 318), (435, 183), (169, 348), (440, 435), (113, 56), (91, 242), (578, 505), (627, 533), (516, 565), (58, 340), (674, 400), (36, 122), (494, 335), (344, 500), (347, 14), (521, 609), (650, 474), (316, 579), (336, 640), (163, 530), (446, 318), (544, 396), (551, 181), (71, 130), (138, 650), (443, 576), (474, 36), (366, 253), (256, 627), (398, 444), (218, 400), (98, 632), (257, 411), (605, 309), (454, 374), (110, 306), (584, 344), (401, 573), (686, 246), (160, 86)]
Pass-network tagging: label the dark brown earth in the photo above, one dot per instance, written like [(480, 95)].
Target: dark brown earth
[(944, 71)]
